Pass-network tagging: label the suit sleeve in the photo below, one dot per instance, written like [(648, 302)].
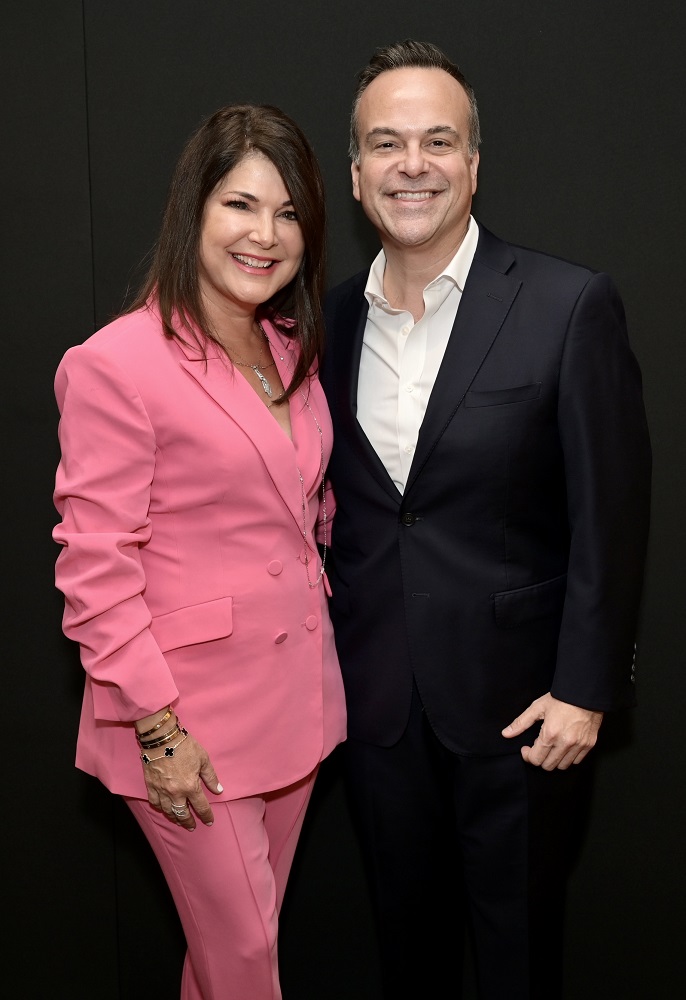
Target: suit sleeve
[(607, 459), (102, 494)]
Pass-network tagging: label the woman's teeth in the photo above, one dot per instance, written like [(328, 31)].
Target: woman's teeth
[(252, 261)]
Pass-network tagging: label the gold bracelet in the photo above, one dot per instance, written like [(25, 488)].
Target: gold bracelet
[(141, 736), (161, 740), (169, 752)]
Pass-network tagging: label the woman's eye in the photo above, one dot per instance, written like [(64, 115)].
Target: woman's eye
[(290, 215), (237, 204)]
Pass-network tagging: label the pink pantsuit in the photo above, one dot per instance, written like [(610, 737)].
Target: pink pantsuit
[(184, 575)]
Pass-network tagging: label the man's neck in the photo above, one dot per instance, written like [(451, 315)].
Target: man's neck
[(410, 269)]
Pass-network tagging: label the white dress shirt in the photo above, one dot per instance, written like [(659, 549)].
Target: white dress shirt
[(400, 358)]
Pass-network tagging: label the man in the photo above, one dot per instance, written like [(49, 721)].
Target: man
[(491, 467)]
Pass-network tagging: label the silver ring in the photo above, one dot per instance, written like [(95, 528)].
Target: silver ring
[(178, 810)]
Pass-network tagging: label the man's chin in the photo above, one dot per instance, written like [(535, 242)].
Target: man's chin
[(407, 234)]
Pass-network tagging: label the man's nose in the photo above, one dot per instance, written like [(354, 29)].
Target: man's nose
[(414, 161)]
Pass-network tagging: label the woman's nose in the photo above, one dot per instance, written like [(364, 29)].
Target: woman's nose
[(264, 230)]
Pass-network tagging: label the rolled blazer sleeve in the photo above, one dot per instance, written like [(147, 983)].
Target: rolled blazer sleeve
[(103, 495), (607, 459)]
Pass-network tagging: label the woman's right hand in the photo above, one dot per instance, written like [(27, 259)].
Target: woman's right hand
[(178, 781)]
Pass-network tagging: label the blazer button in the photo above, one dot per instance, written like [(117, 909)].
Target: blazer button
[(303, 556), (408, 519), (281, 637), (275, 567), (311, 623)]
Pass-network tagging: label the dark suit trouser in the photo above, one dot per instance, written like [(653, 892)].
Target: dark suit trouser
[(455, 843)]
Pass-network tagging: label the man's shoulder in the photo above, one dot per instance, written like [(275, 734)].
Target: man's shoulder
[(494, 251)]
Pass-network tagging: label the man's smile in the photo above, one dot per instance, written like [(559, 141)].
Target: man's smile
[(413, 195)]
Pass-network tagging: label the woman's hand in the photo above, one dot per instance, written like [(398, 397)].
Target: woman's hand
[(177, 781)]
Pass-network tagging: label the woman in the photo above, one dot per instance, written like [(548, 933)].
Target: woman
[(194, 438)]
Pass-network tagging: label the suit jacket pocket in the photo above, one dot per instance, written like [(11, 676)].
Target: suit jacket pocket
[(515, 607), (197, 623), (496, 397)]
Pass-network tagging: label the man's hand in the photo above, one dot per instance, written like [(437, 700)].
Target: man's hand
[(566, 736)]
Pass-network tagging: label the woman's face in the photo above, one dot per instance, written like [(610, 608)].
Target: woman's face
[(251, 244)]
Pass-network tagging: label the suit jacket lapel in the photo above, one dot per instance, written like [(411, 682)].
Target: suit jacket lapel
[(237, 398), (350, 324), (488, 295)]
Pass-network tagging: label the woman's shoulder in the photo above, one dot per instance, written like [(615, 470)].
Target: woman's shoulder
[(130, 339), (132, 347), (127, 332)]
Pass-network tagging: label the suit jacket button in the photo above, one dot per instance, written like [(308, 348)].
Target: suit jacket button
[(281, 637), (311, 622), (275, 567), (408, 519)]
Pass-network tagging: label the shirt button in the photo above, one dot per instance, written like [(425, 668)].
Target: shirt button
[(409, 388), (280, 637), (409, 448), (405, 330), (311, 623), (275, 567)]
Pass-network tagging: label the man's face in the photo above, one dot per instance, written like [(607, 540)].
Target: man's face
[(415, 178)]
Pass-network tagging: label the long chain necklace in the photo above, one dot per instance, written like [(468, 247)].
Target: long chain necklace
[(303, 499), (238, 360)]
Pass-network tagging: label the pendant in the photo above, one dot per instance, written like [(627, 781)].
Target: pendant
[(263, 379)]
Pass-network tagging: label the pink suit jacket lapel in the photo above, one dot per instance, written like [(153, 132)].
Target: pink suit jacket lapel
[(237, 398)]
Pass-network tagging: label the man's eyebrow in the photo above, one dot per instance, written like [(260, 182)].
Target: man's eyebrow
[(442, 128), (382, 130)]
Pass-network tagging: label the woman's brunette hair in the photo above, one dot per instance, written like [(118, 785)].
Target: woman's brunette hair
[(219, 144)]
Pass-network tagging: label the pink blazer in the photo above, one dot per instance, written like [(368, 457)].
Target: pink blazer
[(183, 559)]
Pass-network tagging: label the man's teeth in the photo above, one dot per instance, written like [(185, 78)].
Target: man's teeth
[(413, 195), (253, 261)]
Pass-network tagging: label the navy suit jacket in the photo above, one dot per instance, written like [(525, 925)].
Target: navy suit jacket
[(512, 564)]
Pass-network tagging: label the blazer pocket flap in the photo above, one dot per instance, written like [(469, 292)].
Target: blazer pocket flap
[(514, 607), (496, 397), (197, 623)]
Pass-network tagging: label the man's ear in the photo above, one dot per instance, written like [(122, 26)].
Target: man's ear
[(355, 174), (473, 170)]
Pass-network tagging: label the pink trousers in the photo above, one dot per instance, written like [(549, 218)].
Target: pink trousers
[(228, 882)]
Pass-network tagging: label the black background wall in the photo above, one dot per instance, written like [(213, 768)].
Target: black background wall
[(583, 156)]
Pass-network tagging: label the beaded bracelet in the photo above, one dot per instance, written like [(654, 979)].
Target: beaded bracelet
[(161, 740), (169, 752), (149, 732)]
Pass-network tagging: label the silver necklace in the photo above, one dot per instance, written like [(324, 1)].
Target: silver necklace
[(237, 360), (303, 499)]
